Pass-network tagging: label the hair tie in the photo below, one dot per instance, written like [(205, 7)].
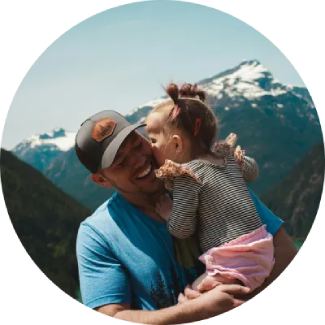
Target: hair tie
[(197, 126), (175, 113)]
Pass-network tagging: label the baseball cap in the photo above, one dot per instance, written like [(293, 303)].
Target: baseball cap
[(100, 137)]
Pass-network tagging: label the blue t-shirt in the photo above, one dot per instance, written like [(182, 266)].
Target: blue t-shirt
[(124, 256)]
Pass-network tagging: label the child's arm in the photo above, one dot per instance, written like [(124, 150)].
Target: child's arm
[(250, 169), (164, 207), (248, 165), (183, 218)]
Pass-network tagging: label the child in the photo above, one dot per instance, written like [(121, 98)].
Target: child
[(210, 195)]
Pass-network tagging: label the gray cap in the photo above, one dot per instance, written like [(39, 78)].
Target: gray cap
[(100, 137)]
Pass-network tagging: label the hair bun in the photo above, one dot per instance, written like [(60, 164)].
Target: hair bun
[(173, 92), (191, 91)]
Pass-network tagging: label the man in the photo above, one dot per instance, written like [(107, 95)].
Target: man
[(125, 254)]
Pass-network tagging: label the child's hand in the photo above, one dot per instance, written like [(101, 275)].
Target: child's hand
[(239, 154), (205, 283), (164, 206)]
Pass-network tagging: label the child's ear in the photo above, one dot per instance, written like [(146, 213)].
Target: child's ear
[(100, 180), (178, 143)]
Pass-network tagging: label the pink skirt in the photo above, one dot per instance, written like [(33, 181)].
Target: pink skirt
[(249, 258)]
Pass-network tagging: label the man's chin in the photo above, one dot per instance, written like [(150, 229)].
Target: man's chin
[(151, 187)]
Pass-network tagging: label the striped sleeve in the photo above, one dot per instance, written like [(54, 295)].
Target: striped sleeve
[(183, 220), (250, 169)]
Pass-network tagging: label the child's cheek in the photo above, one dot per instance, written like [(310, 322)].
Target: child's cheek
[(159, 156)]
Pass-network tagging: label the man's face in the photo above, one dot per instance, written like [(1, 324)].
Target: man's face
[(133, 168)]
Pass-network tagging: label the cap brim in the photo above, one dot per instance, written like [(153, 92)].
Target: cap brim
[(111, 150)]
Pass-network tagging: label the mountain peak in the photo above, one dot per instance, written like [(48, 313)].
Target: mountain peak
[(251, 62), (247, 70), (57, 139), (249, 79), (56, 133)]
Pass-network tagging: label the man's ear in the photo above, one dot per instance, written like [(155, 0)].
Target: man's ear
[(100, 180)]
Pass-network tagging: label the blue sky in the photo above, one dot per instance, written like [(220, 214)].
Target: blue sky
[(117, 60)]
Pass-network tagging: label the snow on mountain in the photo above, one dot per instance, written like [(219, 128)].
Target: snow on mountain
[(59, 138), (244, 80), (249, 80), (38, 150)]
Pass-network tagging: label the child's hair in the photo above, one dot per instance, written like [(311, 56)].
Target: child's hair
[(192, 115)]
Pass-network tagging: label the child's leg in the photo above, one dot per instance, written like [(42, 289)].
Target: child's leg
[(207, 282)]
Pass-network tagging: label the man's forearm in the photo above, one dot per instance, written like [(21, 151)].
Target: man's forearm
[(210, 304), (187, 312)]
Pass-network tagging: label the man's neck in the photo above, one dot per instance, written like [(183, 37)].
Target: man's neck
[(145, 202)]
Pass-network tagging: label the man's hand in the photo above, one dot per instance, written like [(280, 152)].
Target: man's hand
[(220, 298), (213, 303), (164, 206)]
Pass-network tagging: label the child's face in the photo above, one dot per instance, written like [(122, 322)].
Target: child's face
[(163, 146)]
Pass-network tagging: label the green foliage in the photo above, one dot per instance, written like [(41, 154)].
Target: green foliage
[(296, 199), (45, 219)]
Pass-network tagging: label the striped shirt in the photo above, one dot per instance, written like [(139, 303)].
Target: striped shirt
[(220, 208)]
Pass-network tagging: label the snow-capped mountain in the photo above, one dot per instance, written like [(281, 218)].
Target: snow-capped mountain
[(40, 149), (277, 124), (248, 81)]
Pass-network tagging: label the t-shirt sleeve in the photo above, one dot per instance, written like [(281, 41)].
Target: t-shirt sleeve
[(272, 222), (183, 219), (103, 280)]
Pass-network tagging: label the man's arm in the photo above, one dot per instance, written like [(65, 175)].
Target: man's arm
[(213, 303), (103, 279)]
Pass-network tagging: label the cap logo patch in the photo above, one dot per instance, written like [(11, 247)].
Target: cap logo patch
[(103, 129)]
